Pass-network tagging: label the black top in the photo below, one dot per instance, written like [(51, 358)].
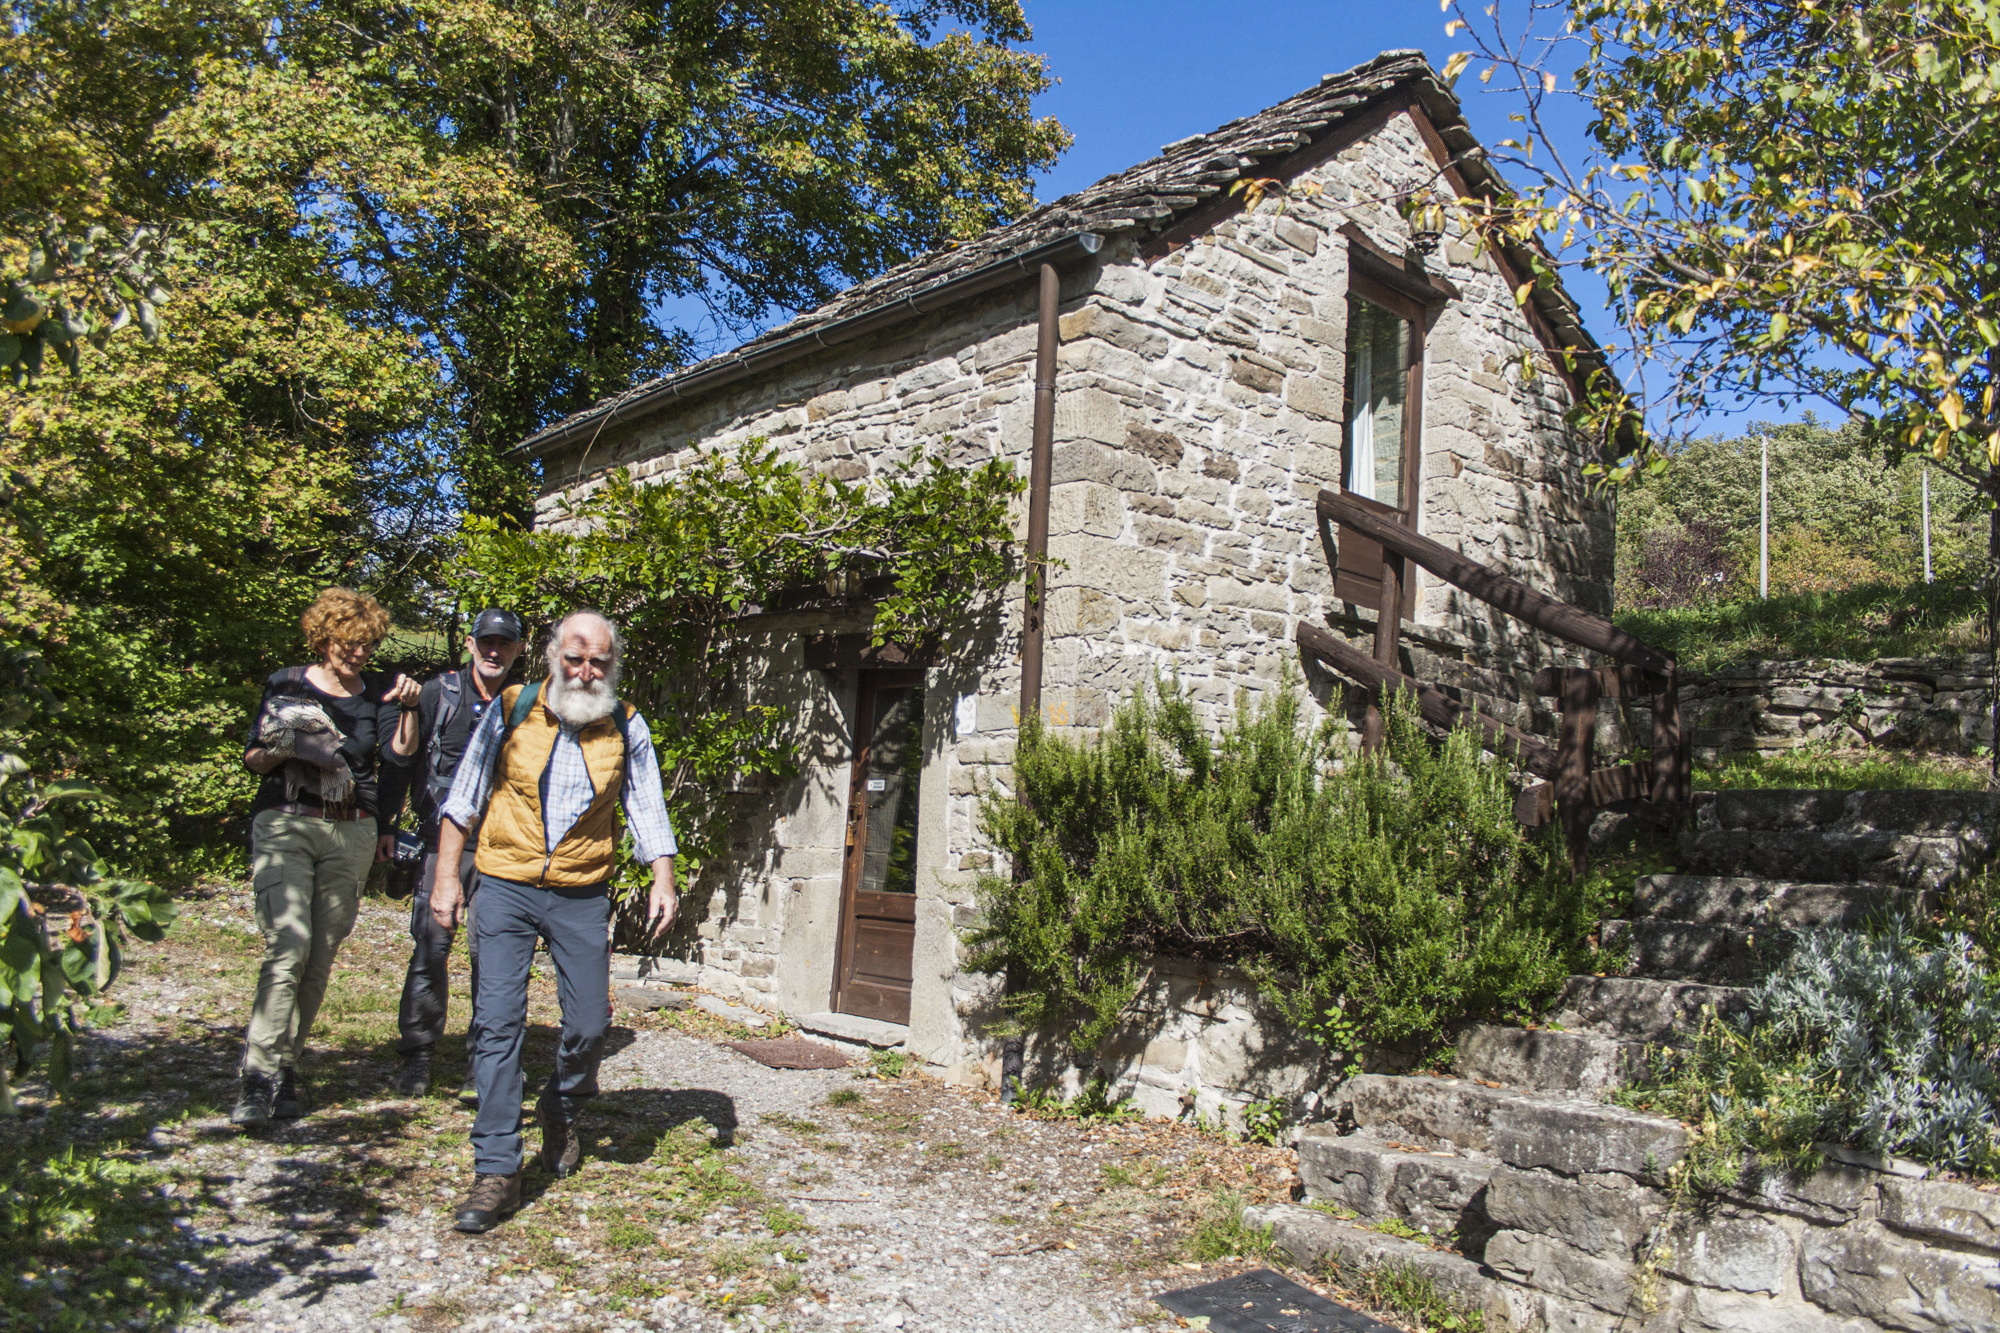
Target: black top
[(365, 721), (427, 774)]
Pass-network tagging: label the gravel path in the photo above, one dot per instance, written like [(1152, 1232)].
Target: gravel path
[(718, 1193)]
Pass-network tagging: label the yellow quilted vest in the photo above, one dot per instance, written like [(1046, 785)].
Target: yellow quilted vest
[(513, 841)]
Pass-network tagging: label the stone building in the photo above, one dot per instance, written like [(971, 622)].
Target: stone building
[(1218, 365)]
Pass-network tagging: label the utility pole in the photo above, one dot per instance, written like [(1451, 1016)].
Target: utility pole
[(1764, 522), (1927, 522)]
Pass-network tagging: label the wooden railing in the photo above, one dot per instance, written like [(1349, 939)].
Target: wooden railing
[(1573, 788)]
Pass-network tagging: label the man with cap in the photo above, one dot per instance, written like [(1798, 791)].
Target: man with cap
[(448, 712)]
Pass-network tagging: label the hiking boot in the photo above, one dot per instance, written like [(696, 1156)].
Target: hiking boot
[(288, 1103), (468, 1091), (493, 1199), (562, 1146), (253, 1102), (414, 1078)]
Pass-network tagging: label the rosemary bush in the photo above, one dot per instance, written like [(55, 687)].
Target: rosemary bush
[(1885, 1041), (1373, 898)]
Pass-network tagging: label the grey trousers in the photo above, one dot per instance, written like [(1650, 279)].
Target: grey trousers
[(427, 985), (306, 874), (577, 925)]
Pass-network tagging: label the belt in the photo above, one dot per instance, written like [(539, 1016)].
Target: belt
[(337, 813)]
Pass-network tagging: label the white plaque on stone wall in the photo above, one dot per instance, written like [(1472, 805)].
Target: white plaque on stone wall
[(966, 718)]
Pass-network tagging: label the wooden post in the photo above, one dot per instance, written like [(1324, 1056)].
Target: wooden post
[(1574, 745), (1670, 769), (1388, 637)]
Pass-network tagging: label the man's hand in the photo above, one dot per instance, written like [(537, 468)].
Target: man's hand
[(663, 905), (446, 897), (385, 847), (403, 692)]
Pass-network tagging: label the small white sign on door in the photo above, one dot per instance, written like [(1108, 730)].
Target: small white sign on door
[(878, 784), (966, 718)]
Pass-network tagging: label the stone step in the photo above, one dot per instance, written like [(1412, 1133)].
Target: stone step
[(1923, 813), (1687, 949), (1315, 1242), (1523, 1129), (1640, 1008), (1437, 1190), (1545, 1059), (1729, 900), (1813, 855)]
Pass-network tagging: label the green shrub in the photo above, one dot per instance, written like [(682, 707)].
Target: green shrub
[(1373, 898), (1883, 1041)]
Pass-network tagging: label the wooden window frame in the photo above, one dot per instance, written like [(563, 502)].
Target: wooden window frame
[(1357, 572)]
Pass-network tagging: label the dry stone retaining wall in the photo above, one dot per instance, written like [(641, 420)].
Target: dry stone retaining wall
[(1586, 1241), (1943, 703)]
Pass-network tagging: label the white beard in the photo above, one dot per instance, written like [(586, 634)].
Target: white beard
[(581, 705)]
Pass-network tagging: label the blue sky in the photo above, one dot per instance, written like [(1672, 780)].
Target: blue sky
[(1137, 75)]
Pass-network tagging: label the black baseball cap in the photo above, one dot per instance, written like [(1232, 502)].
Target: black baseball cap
[(497, 624)]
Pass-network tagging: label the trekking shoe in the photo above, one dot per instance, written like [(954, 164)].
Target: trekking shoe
[(414, 1078), (493, 1199), (562, 1146), (468, 1091), (288, 1103), (253, 1102)]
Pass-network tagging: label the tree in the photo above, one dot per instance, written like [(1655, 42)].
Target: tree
[(753, 154), (1792, 200), (400, 237)]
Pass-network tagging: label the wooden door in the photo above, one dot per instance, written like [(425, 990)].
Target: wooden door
[(878, 897)]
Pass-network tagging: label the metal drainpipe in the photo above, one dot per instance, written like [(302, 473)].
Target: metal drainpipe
[(1035, 606)]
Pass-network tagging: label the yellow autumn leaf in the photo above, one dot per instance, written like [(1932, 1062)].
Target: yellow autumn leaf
[(1953, 411)]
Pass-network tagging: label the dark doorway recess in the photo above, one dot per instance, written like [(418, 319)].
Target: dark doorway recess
[(878, 892)]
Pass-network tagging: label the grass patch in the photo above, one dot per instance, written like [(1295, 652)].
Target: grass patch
[(780, 1220), (1092, 1103), (843, 1097), (91, 1243), (1845, 770), (888, 1065), (1219, 1233), (1413, 1296), (1856, 624)]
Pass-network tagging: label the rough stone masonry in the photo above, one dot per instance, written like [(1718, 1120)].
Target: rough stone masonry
[(1199, 411)]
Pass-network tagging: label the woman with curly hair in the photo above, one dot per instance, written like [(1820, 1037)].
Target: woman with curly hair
[(317, 738)]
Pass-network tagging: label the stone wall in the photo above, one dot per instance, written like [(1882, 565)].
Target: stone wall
[(1941, 703), (1197, 416), (1588, 1242)]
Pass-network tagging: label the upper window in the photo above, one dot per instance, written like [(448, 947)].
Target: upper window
[(1379, 357)]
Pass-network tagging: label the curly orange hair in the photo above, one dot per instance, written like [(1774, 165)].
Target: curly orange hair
[(342, 615)]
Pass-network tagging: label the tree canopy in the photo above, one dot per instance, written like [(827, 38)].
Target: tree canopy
[(384, 242), (1789, 200)]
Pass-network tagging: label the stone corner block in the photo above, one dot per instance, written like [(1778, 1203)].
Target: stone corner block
[(1863, 1271), (1947, 1211), (1578, 1138)]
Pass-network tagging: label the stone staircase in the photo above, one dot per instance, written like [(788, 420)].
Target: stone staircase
[(1547, 1197)]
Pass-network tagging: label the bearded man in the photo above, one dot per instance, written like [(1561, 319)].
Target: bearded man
[(540, 779)]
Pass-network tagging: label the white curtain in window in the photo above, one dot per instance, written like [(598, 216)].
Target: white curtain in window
[(1361, 430)]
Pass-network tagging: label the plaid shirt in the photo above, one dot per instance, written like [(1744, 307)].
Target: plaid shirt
[(567, 790)]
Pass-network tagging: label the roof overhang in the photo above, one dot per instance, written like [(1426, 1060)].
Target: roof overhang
[(649, 398)]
